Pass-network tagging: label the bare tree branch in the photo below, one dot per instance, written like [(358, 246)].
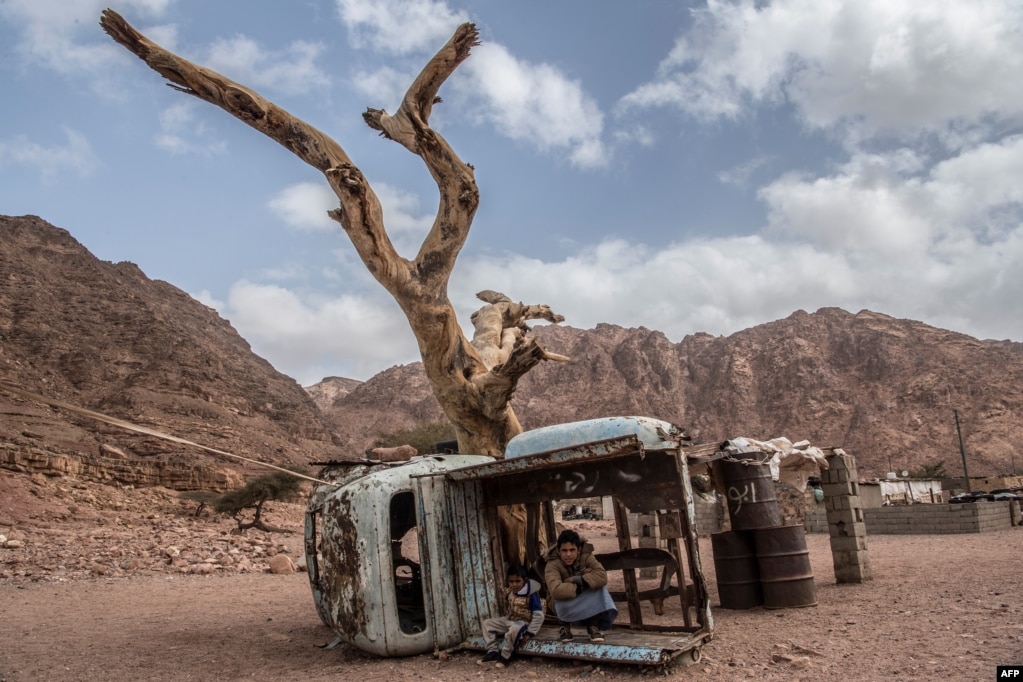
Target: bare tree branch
[(360, 213), (459, 196)]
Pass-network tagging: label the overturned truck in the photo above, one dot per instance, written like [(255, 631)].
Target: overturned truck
[(406, 558)]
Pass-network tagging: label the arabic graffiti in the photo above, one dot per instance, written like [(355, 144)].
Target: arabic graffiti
[(748, 493), (580, 483)]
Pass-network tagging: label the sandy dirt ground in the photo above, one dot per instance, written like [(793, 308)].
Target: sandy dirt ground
[(939, 607)]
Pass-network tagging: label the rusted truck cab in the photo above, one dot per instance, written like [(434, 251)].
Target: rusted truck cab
[(407, 559)]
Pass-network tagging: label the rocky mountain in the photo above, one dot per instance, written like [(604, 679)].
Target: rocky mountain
[(883, 389), (328, 391), (105, 337)]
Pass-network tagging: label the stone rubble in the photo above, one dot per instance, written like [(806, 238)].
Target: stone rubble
[(82, 531)]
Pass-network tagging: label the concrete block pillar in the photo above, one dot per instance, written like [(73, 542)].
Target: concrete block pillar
[(845, 519)]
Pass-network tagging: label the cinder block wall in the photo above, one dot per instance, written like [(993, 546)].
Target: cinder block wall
[(710, 515), (816, 520), (922, 519), (914, 519)]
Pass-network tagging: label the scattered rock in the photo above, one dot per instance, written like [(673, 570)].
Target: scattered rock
[(281, 564)]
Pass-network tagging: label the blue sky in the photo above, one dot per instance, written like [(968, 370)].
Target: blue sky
[(682, 166)]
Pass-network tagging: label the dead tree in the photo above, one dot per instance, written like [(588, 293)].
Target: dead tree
[(473, 381), (473, 395)]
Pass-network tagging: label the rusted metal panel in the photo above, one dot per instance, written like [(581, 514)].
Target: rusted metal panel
[(437, 561), (312, 519), (357, 568), (621, 646), (669, 525), (654, 434), (644, 481), (474, 578), (613, 447), (688, 520), (605, 468)]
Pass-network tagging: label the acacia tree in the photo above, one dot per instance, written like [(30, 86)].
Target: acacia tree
[(278, 486), (473, 387)]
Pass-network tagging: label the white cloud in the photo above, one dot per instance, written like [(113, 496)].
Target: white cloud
[(51, 161), (739, 175), (536, 103), (725, 285), (883, 65), (636, 134), (207, 298), (400, 26), (182, 133), (718, 286), (532, 103), (980, 179), (385, 86), (402, 215), (164, 35), (303, 336), (304, 206), (876, 206), (64, 36), (290, 71)]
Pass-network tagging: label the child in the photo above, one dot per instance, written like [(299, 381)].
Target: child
[(578, 585), (525, 617)]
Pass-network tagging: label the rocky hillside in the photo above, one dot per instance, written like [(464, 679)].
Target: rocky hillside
[(105, 337), (330, 390), (880, 387)]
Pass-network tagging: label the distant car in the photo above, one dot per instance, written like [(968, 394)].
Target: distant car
[(975, 496)]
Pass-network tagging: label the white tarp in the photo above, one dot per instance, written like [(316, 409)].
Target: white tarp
[(791, 463), (917, 491)]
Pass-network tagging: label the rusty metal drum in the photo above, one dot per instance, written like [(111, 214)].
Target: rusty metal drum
[(784, 563), (735, 564), (748, 491)]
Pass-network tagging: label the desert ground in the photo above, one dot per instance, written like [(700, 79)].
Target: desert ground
[(118, 584)]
